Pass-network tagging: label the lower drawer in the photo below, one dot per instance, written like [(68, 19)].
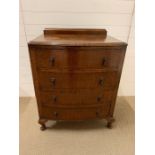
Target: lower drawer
[(76, 97), (74, 113)]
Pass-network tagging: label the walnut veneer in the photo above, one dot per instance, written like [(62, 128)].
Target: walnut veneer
[(76, 74)]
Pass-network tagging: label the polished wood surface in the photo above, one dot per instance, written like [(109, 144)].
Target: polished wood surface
[(76, 97), (77, 79), (79, 58), (74, 113), (78, 32), (76, 74), (68, 39)]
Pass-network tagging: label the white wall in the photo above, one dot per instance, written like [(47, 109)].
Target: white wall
[(127, 82), (114, 15)]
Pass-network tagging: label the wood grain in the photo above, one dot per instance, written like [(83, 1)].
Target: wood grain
[(76, 74)]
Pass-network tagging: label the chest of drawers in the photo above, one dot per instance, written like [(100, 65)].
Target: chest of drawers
[(76, 74)]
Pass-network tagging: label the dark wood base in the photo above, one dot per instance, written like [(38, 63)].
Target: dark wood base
[(42, 123)]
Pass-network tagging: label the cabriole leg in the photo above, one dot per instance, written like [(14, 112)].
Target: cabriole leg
[(110, 120), (42, 123)]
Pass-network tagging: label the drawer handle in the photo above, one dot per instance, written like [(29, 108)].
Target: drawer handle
[(53, 81), (55, 114), (101, 82), (52, 60), (97, 113), (103, 61), (98, 99), (54, 98)]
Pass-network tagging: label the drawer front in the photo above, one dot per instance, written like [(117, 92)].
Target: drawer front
[(72, 97), (49, 81), (74, 114), (98, 58)]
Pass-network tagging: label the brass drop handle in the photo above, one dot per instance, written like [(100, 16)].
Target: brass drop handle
[(103, 61), (52, 60), (55, 114), (98, 98), (54, 98), (101, 81), (97, 113), (53, 81)]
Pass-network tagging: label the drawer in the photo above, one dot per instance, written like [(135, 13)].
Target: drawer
[(73, 97), (74, 113), (74, 58), (49, 81)]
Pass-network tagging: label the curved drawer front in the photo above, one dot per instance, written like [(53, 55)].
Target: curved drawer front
[(49, 81), (97, 58), (74, 114), (84, 97)]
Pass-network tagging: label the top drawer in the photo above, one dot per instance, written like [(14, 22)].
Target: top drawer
[(79, 58)]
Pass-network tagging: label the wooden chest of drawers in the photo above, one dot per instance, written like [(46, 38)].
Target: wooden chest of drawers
[(76, 74)]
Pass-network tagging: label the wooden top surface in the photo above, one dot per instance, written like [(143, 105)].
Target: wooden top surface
[(76, 37)]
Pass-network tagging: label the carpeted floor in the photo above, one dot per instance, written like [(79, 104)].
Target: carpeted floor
[(77, 138)]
